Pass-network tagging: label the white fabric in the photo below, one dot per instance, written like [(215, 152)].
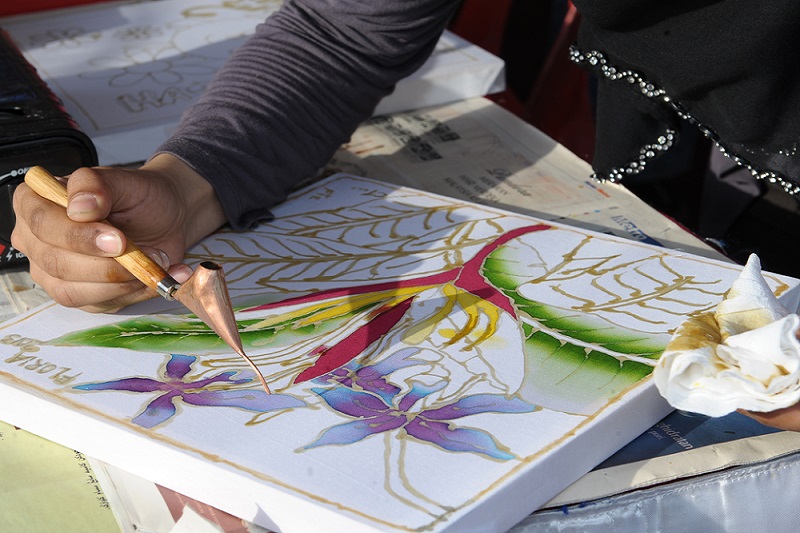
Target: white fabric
[(745, 355)]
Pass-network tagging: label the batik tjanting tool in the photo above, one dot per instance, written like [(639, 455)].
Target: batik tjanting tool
[(204, 293)]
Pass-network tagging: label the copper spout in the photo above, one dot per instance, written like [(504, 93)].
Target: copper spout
[(206, 295)]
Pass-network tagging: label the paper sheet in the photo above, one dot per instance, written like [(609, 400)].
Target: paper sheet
[(127, 70), (477, 151), (603, 483), (47, 487)]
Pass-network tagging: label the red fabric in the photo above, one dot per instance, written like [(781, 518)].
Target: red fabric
[(482, 23), (559, 103), (29, 6)]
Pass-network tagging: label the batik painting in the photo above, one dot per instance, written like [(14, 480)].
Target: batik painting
[(435, 365)]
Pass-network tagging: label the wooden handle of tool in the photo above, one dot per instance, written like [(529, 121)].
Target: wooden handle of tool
[(133, 259)]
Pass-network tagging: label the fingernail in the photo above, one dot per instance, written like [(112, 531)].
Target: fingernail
[(159, 256), (109, 243), (181, 273), (82, 203)]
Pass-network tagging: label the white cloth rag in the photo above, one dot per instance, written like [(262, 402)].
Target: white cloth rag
[(745, 355)]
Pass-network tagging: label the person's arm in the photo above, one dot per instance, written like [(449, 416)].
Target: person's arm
[(295, 92), (274, 114)]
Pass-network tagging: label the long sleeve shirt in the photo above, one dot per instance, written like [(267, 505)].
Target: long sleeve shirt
[(294, 92)]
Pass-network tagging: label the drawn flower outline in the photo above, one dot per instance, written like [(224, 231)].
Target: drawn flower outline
[(167, 66), (69, 38)]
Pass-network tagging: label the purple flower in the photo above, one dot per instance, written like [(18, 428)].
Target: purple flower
[(372, 378), (174, 386), (373, 414)]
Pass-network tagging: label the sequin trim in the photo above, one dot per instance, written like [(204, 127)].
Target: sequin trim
[(598, 61)]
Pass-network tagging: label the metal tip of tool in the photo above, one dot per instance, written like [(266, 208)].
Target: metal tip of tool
[(259, 375), (206, 295)]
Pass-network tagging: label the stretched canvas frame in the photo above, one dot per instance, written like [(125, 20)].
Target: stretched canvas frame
[(436, 365)]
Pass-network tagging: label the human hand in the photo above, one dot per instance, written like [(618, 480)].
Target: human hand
[(164, 207), (787, 419)]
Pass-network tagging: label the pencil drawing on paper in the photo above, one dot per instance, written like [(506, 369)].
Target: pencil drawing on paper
[(121, 65), (422, 334)]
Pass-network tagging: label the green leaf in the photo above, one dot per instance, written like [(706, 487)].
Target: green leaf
[(171, 334), (588, 328), (571, 378)]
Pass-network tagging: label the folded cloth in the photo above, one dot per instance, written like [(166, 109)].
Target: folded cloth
[(745, 355)]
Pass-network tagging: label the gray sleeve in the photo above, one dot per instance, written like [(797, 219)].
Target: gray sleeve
[(294, 92)]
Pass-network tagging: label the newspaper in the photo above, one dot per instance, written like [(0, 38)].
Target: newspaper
[(47, 487), (671, 450), (477, 151), (18, 293)]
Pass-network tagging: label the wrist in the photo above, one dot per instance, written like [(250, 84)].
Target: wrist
[(202, 211)]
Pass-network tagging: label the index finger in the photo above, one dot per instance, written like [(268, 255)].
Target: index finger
[(50, 224)]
